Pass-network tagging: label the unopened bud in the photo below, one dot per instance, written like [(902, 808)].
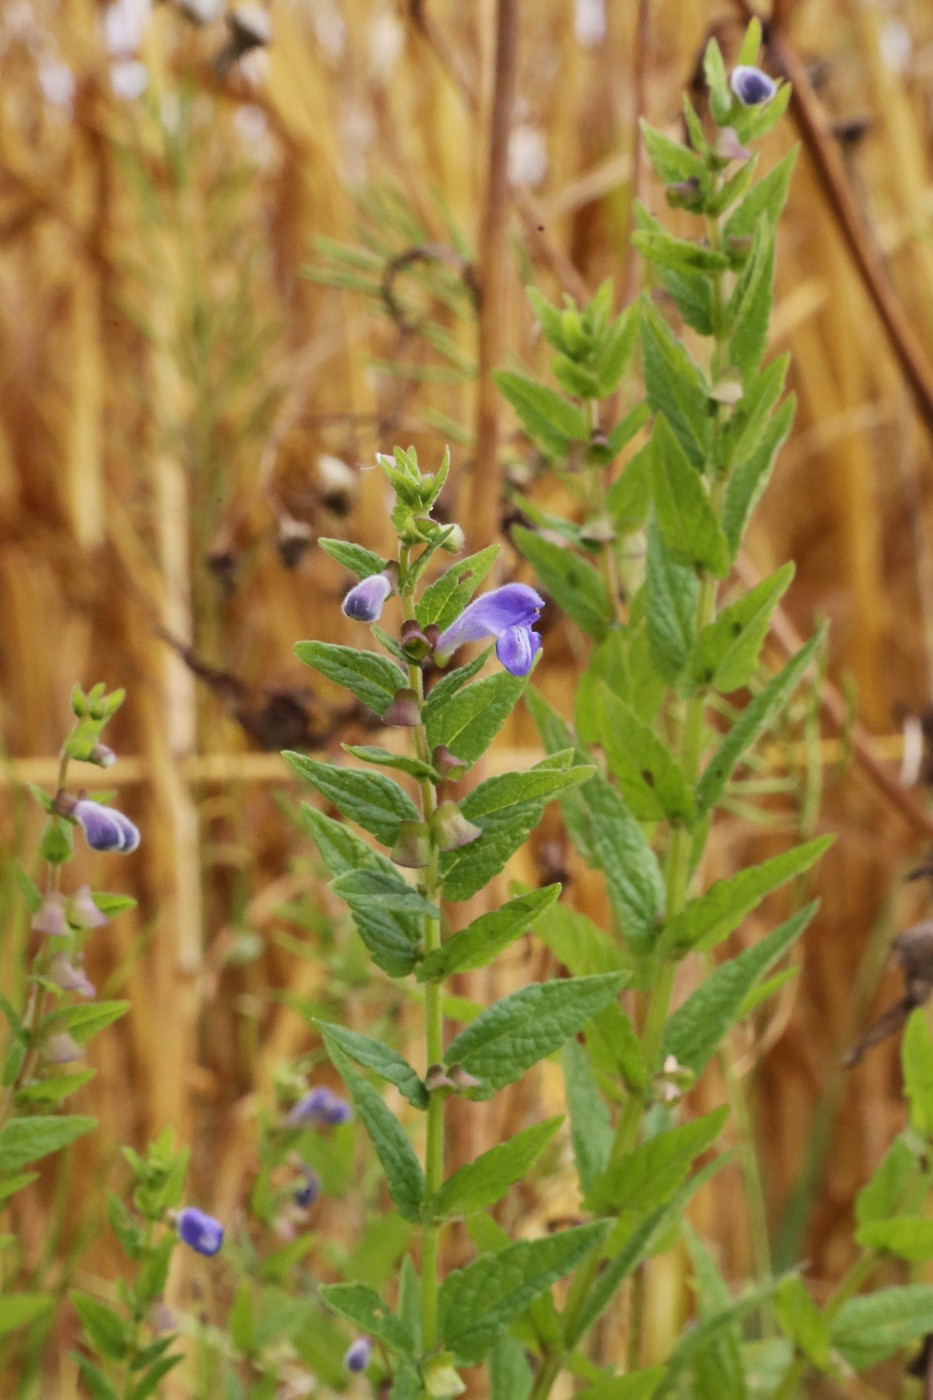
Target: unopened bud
[(415, 644), (101, 754), (455, 540), (728, 146), (83, 913), (599, 530), (405, 709), (364, 601), (161, 1318), (447, 765), (61, 1049), (50, 917), (437, 1078), (412, 846), (70, 978), (452, 829), (751, 86), (461, 1079), (684, 194), (727, 390)]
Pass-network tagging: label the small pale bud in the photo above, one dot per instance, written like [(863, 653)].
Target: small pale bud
[(61, 1049), (70, 978), (50, 917), (684, 194), (441, 1380), (447, 764), (101, 754), (413, 845), (727, 390), (599, 530), (455, 540), (404, 711), (728, 146), (437, 1078), (83, 913), (415, 644), (452, 829), (461, 1079)]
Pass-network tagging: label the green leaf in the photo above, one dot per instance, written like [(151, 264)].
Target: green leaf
[(802, 1321), (750, 418), (20, 1309), (574, 585), (711, 917), (111, 904), (714, 71), (83, 1022), (682, 509), (749, 307), (552, 423), (690, 287), (16, 1183), (382, 1060), (373, 801), (354, 557), (445, 599), (484, 1181), (871, 1328), (710, 1329), (365, 1309), (95, 1380), (154, 1377), (725, 654), (917, 1062), (673, 162), (751, 123), (672, 606), (389, 917), (758, 714), (482, 941), (650, 779), (902, 1235), (403, 1171), (25, 1140), (645, 1178), (372, 678), (590, 1129), (750, 477), (451, 681), (767, 196), (477, 1302), (611, 355), (56, 844), (675, 387), (893, 1184), (513, 1034), (629, 496), (621, 850), (382, 758), (472, 718), (637, 1385), (506, 808), (696, 1028), (510, 1376), (577, 942), (108, 1333), (54, 1090), (341, 849)]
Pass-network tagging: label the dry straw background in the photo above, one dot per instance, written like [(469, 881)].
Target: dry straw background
[(171, 383)]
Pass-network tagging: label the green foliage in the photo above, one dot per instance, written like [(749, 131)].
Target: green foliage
[(481, 1183), (373, 679)]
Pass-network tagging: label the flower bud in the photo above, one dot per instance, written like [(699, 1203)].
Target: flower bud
[(684, 194), (199, 1231), (461, 1079), (102, 755), (412, 845), (455, 540), (728, 389), (320, 1107), (447, 764), (305, 1195), (106, 829), (61, 1049), (728, 146), (364, 602), (599, 530), (451, 828), (70, 978), (751, 86), (415, 644), (161, 1318), (404, 711), (50, 917), (358, 1355), (83, 913), (437, 1078)]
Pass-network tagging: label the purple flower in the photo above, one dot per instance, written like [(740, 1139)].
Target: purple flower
[(358, 1354), (751, 86), (508, 614), (305, 1196), (199, 1231), (106, 829), (83, 912), (70, 978), (51, 918), (364, 602), (321, 1107)]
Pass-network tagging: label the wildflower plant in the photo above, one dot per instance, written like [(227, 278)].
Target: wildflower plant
[(674, 698)]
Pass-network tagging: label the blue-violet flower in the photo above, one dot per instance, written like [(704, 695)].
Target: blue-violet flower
[(358, 1354), (751, 86), (508, 614), (364, 602), (201, 1232), (320, 1106), (106, 829)]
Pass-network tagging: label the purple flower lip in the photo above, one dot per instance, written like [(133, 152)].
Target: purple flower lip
[(364, 601), (751, 86), (106, 829), (201, 1232), (306, 1195), (358, 1354), (508, 614), (320, 1107)]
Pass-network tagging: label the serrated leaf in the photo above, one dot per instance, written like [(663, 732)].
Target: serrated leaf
[(802, 1321), (365, 1309), (577, 942), (767, 196), (672, 593), (682, 509), (506, 808), (521, 1029), (725, 654), (477, 1302), (510, 1376), (354, 557), (382, 1060), (750, 477), (382, 758), (445, 599), (673, 162), (403, 1172), (480, 1183), (590, 1129), (621, 850), (650, 779), (341, 849), (611, 355), (645, 1179), (389, 916), (888, 1190), (25, 1140), (690, 287), (82, 1022), (711, 917), (873, 1327), (637, 1385), (749, 307), (917, 1062), (372, 678), (373, 801), (20, 1309), (56, 1089), (905, 1236), (573, 583), (108, 1333), (696, 1028), (549, 419), (675, 387), (629, 496), (747, 425), (452, 681), (483, 939), (95, 1380), (758, 714), (472, 718)]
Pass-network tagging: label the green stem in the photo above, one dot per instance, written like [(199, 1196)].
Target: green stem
[(433, 1015)]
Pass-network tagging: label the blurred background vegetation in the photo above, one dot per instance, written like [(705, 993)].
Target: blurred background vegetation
[(243, 249)]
